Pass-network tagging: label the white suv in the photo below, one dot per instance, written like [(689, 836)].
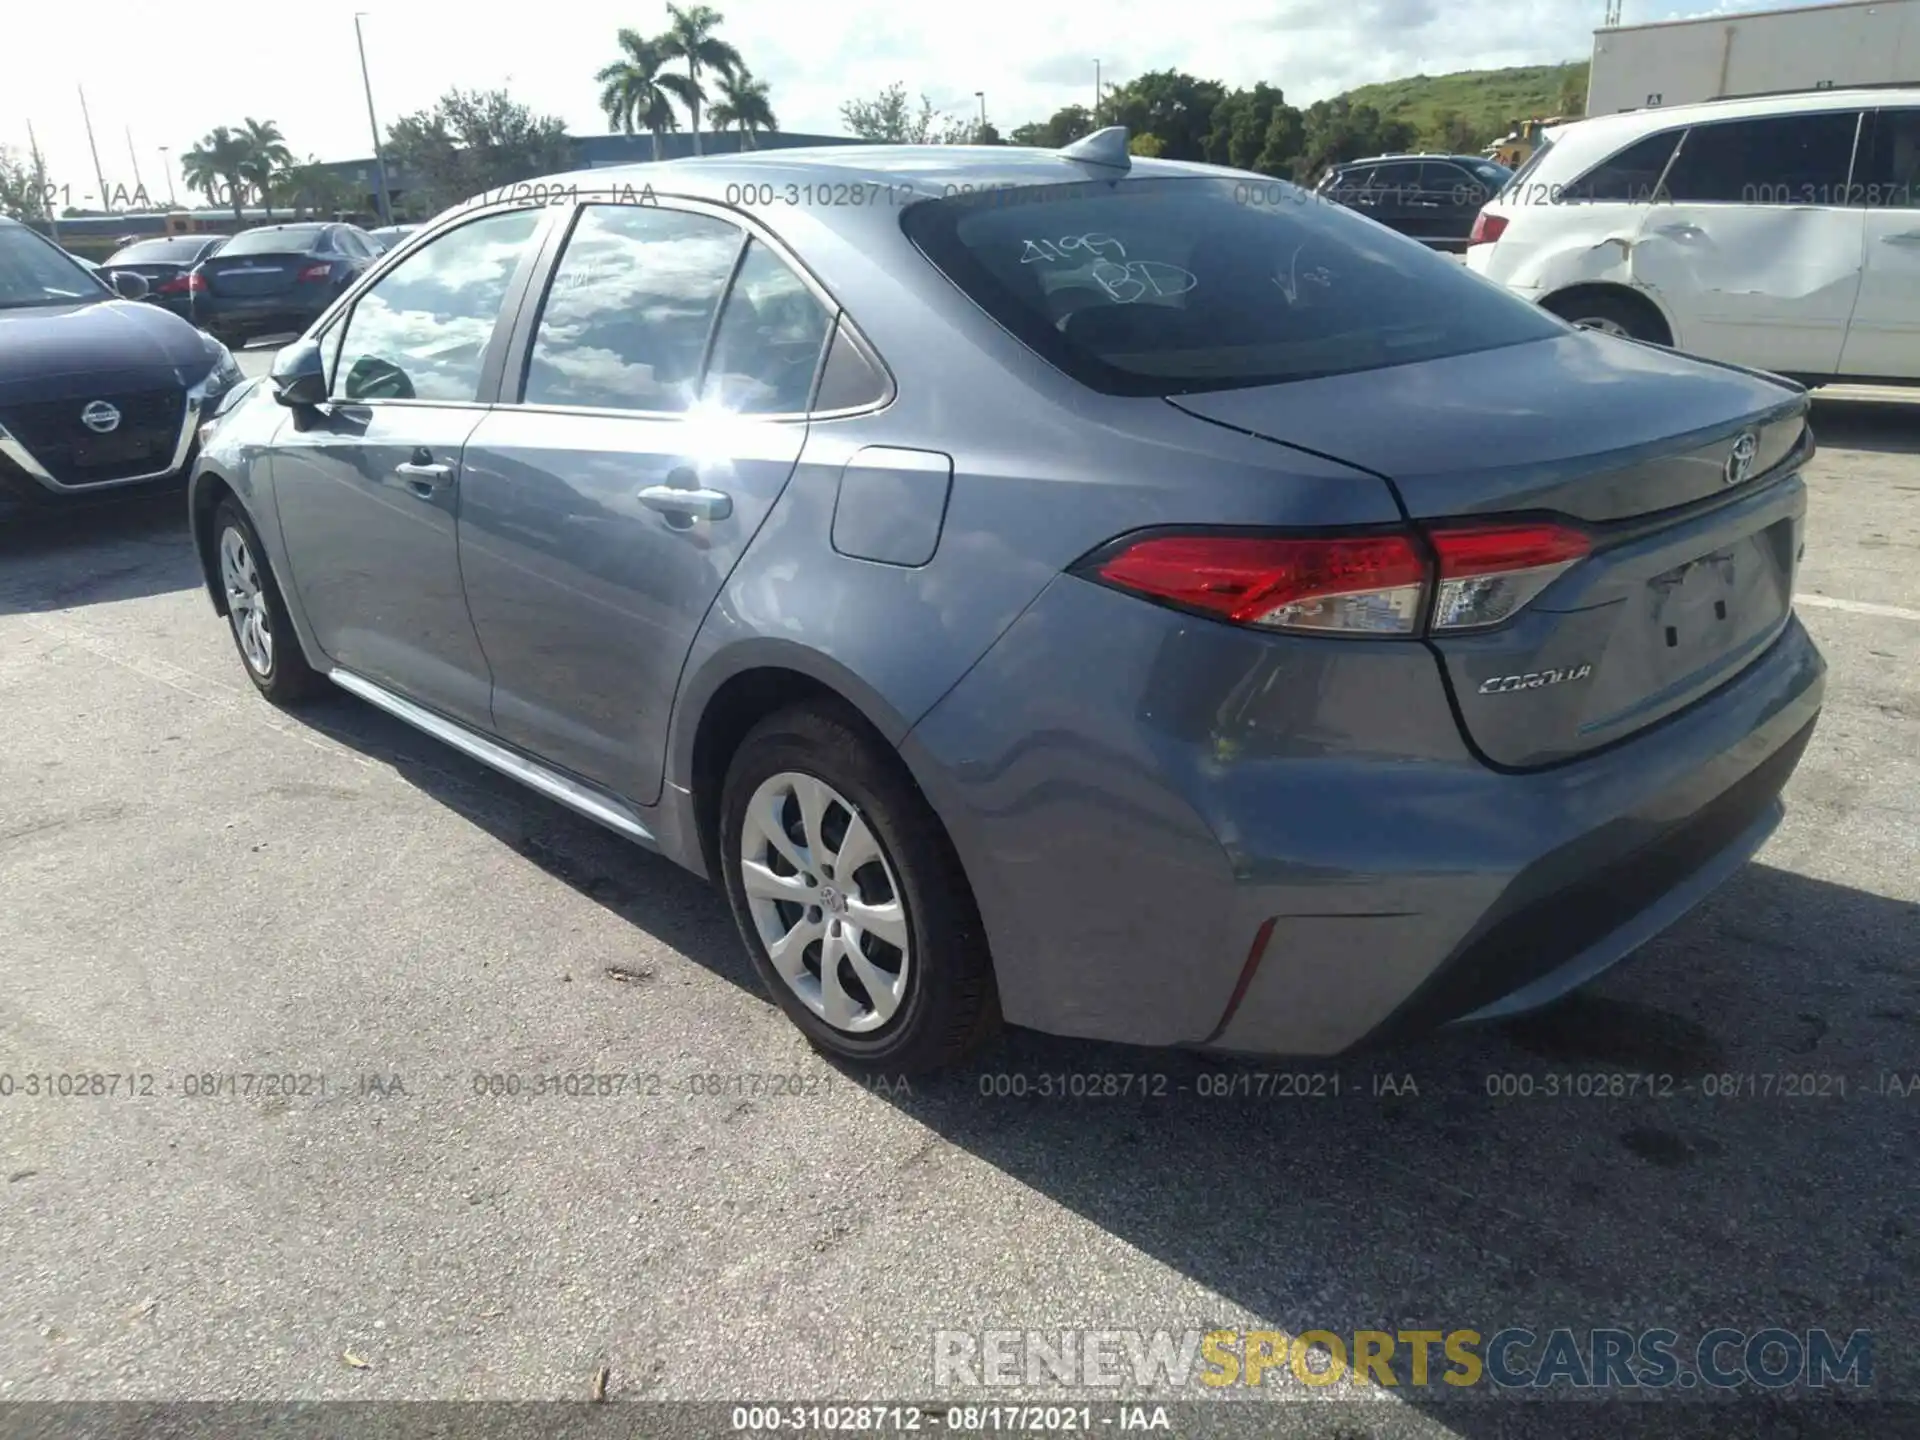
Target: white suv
[(1781, 232)]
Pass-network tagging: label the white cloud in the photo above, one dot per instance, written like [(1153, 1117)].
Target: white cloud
[(182, 76)]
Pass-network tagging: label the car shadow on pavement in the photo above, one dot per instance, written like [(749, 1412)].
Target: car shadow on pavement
[(74, 555), (1703, 1140), (1889, 427)]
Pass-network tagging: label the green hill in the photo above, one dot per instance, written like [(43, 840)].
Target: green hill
[(1486, 101)]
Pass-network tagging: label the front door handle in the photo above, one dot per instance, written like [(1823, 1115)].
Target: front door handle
[(694, 504), (424, 475)]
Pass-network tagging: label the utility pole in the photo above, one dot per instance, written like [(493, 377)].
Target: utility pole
[(981, 96), (166, 163), (379, 163), (1096, 94), (98, 173), (139, 185), (40, 169)]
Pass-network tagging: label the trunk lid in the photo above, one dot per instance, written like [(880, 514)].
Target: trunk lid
[(249, 276), (1694, 550)]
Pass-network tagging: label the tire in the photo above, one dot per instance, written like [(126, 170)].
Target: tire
[(256, 614), (1611, 314), (906, 1009)]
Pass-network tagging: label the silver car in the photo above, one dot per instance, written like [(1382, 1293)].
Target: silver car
[(1128, 598)]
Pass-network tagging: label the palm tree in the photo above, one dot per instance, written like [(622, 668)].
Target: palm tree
[(268, 156), (217, 167), (635, 95), (690, 37), (743, 102)]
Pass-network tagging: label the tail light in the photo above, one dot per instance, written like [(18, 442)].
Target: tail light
[(191, 283), (1489, 573), (1377, 583), (1487, 228), (321, 271)]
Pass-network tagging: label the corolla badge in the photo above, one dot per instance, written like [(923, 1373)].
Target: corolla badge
[(1740, 458), (100, 417), (1534, 680)]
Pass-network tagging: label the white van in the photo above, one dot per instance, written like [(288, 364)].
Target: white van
[(1781, 232)]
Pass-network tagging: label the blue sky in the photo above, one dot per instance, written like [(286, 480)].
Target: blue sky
[(186, 71)]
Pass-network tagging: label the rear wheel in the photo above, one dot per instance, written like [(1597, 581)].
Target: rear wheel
[(257, 616), (849, 896), (1611, 314)]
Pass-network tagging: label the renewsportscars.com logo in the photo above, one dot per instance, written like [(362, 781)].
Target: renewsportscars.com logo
[(1512, 1358)]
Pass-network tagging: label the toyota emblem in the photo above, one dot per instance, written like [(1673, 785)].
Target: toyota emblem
[(100, 417), (1740, 458)]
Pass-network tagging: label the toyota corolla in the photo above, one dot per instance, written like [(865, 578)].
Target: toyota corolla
[(1082, 590)]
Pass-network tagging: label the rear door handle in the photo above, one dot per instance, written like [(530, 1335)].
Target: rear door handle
[(1679, 232), (695, 504)]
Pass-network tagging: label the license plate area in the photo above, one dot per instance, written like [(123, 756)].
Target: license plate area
[(101, 452), (1706, 606)]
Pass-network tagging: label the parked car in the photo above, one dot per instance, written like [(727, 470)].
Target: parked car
[(1780, 232), (97, 394), (276, 279), (166, 262), (388, 236), (1066, 593), (1432, 198)]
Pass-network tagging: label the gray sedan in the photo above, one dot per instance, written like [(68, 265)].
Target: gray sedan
[(1125, 598)]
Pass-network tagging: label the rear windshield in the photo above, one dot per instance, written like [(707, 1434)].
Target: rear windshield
[(292, 240), (1176, 285), (178, 249)]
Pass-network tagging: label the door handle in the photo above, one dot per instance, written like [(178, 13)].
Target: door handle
[(694, 504), (424, 477), (1679, 232)]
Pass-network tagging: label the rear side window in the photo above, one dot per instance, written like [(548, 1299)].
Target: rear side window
[(421, 331), (767, 347), (1628, 177), (627, 315), (287, 240), (1779, 160), (1172, 286)]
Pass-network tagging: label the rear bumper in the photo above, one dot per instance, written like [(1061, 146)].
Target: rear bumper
[(1184, 834), (272, 315)]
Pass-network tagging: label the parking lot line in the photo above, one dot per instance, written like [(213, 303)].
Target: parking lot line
[(1857, 607)]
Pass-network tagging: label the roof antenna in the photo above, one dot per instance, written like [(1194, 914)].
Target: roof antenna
[(1103, 147)]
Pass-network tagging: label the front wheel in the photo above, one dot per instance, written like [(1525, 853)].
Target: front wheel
[(850, 898), (256, 614)]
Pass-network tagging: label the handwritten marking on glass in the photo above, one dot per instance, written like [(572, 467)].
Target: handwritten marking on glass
[(1091, 246), (1139, 279)]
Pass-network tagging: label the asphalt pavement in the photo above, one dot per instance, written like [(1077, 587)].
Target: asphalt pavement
[(198, 886)]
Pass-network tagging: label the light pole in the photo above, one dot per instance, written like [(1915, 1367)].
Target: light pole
[(1096, 94), (379, 163), (981, 96), (166, 163)]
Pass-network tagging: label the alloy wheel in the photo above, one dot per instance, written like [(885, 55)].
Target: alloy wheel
[(825, 902), (1605, 325), (246, 602)]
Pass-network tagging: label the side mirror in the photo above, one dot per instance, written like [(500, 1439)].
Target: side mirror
[(299, 374), (128, 285)]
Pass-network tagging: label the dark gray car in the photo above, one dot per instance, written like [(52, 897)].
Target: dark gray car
[(1046, 586)]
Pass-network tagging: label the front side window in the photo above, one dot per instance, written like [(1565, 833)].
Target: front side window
[(1173, 286), (421, 331), (767, 346), (628, 312), (1888, 175), (1778, 160)]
